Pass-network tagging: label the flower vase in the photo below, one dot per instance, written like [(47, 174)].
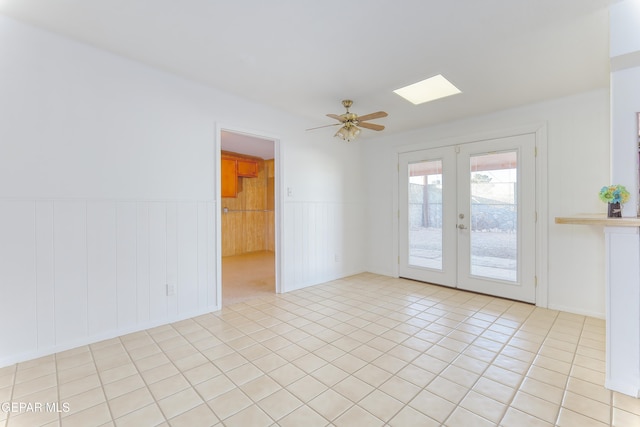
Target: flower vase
[(615, 211)]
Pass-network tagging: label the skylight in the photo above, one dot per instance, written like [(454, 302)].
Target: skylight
[(430, 89)]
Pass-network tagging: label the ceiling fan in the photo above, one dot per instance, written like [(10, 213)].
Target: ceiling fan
[(351, 122)]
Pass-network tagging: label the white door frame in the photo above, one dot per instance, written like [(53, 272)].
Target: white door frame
[(542, 252), (277, 202)]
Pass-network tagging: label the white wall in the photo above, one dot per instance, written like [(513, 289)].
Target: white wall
[(578, 165), (107, 193), (623, 264), (324, 216), (624, 33), (625, 95), (625, 90)]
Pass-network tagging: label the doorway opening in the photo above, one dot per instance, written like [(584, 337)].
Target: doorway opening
[(247, 208)]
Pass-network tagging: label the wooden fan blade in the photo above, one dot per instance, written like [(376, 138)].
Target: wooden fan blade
[(337, 117), (372, 116), (325, 126), (371, 126)]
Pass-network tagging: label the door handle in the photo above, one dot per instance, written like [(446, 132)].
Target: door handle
[(462, 226)]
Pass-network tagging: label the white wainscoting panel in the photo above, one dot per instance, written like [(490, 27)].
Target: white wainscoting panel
[(320, 242), (70, 266), (102, 288), (187, 256), (143, 263), (158, 230), (18, 276), (211, 254), (45, 274), (79, 271), (202, 251), (172, 259), (126, 264)]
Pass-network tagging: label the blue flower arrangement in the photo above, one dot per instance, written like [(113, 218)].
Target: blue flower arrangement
[(614, 194)]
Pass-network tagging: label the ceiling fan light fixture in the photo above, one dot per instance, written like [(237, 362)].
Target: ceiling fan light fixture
[(348, 132), (342, 133), (353, 132), (430, 89)]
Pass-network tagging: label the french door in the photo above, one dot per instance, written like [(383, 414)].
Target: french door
[(467, 216)]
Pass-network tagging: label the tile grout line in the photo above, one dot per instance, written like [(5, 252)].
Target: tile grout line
[(106, 401), (524, 376)]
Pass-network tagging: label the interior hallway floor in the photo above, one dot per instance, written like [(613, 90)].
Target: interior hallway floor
[(366, 350), (248, 276)]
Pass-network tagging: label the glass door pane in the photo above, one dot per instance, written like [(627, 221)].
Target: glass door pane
[(497, 217), (494, 215), (425, 214)]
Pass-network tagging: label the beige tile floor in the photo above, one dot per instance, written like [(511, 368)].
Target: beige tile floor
[(367, 350)]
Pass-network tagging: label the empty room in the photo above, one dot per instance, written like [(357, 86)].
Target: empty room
[(319, 213)]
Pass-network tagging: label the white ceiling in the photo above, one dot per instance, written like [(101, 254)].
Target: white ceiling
[(306, 56), (247, 144)]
